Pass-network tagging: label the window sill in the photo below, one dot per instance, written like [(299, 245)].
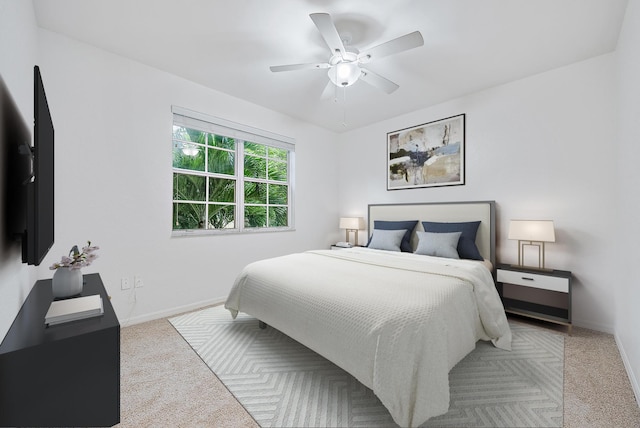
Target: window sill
[(214, 232)]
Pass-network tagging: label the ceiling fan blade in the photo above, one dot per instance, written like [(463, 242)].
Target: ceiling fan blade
[(329, 32), (400, 44), (291, 67), (377, 81)]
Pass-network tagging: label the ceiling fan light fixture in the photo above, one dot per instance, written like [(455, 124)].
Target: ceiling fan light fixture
[(189, 150), (344, 73)]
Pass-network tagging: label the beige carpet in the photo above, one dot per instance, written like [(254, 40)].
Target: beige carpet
[(164, 383)]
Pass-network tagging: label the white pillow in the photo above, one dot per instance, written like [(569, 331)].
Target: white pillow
[(389, 240), (438, 244)]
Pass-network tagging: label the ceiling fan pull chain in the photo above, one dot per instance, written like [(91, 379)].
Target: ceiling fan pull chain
[(344, 109)]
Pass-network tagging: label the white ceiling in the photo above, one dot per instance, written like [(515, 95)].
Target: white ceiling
[(228, 45)]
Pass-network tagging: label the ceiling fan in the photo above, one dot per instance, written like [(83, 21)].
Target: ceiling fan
[(346, 63)]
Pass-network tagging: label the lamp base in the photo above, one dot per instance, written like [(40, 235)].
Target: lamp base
[(355, 243), (539, 245)]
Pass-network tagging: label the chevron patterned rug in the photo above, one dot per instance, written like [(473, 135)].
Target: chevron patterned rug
[(284, 384)]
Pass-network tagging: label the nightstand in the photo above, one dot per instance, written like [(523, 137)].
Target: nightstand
[(540, 294)]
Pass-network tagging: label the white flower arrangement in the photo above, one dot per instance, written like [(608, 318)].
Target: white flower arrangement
[(77, 259)]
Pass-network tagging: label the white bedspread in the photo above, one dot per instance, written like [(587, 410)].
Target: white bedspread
[(397, 322)]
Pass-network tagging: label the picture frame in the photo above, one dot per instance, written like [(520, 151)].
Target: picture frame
[(427, 155)]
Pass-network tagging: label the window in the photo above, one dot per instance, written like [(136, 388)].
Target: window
[(229, 177)]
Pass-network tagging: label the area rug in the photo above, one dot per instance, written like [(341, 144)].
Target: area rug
[(281, 383)]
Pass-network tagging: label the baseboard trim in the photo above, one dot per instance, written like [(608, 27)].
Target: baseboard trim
[(171, 312), (627, 365), (594, 326)]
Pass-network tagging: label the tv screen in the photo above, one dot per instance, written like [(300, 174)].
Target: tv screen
[(39, 234)]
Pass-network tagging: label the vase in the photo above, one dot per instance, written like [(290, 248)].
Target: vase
[(66, 282)]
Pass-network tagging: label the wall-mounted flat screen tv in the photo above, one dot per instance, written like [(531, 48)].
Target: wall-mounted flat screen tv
[(39, 234)]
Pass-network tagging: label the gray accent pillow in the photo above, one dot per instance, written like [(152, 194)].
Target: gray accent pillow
[(408, 225), (467, 244), (438, 244), (386, 239)]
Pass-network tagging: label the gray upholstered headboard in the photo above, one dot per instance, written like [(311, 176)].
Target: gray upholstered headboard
[(484, 211)]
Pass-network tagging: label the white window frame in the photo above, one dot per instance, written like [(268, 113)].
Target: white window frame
[(241, 133)]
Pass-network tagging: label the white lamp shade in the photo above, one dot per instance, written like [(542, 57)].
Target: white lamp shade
[(352, 223), (532, 230)]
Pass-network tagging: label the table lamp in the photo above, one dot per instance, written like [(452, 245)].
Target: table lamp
[(351, 224), (532, 233)]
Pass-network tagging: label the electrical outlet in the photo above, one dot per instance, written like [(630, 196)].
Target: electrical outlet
[(137, 281), (124, 283)]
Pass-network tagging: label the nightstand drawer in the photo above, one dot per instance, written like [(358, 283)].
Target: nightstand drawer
[(527, 279)]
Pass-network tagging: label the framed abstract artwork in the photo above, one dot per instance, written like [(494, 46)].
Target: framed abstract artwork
[(427, 155)]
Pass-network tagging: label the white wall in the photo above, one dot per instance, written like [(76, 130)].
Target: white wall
[(18, 51), (113, 123), (542, 148), (627, 284)]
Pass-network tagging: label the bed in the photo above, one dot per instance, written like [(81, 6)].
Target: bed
[(396, 320)]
